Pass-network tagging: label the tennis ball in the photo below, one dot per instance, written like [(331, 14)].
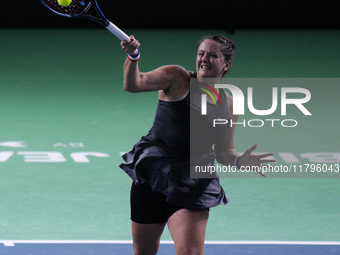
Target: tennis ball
[(64, 2)]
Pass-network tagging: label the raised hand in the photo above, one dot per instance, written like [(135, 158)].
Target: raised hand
[(130, 46), (248, 159)]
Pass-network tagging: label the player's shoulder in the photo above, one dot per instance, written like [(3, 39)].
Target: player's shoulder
[(176, 70), (179, 82), (177, 76)]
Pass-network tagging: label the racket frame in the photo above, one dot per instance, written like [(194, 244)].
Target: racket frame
[(101, 19)]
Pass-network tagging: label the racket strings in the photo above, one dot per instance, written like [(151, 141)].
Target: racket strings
[(76, 7)]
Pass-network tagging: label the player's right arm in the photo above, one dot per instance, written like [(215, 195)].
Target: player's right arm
[(163, 78)]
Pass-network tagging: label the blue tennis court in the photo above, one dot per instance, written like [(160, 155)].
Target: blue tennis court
[(167, 248)]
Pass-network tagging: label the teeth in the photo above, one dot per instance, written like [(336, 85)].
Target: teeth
[(205, 67)]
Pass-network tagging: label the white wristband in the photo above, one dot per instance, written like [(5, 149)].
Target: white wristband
[(236, 162), (134, 58)]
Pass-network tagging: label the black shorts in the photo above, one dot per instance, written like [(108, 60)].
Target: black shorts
[(148, 207)]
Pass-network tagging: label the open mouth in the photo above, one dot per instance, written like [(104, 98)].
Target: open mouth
[(205, 67)]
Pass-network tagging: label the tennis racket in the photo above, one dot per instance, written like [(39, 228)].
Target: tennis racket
[(80, 9)]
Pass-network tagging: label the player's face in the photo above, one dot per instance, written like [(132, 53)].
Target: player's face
[(210, 60)]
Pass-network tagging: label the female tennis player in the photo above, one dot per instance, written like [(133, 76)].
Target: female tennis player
[(162, 191)]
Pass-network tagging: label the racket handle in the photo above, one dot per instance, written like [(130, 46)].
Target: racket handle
[(117, 32)]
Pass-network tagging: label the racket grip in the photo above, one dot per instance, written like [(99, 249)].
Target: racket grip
[(117, 32)]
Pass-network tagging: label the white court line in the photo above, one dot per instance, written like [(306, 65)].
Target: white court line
[(8, 243), (13, 242)]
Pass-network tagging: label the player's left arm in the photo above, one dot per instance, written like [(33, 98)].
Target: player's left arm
[(226, 152)]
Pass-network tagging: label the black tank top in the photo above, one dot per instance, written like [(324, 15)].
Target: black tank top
[(178, 122)]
